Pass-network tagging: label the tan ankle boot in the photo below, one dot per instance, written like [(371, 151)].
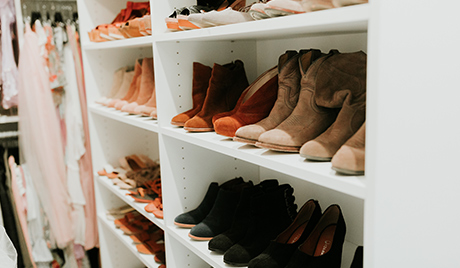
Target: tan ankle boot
[(133, 87), (347, 92), (308, 119), (350, 158), (146, 87), (288, 95)]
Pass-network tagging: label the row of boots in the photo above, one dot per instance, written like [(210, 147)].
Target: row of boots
[(312, 103), (133, 90), (259, 226)]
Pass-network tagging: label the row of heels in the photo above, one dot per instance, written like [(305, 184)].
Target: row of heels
[(133, 91), (312, 103)]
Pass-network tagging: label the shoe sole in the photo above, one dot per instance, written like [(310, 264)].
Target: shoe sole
[(349, 172), (183, 225), (199, 238), (244, 140), (218, 251), (316, 158), (236, 264), (278, 148), (205, 129), (277, 12), (179, 124)]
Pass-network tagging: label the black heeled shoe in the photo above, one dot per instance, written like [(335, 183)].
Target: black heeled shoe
[(280, 250), (323, 248)]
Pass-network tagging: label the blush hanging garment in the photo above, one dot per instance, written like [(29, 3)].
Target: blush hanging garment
[(40, 140)]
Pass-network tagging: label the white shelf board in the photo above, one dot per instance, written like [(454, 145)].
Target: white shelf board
[(291, 164), (337, 20), (143, 41), (200, 248), (144, 122), (148, 260), (7, 119), (106, 182)]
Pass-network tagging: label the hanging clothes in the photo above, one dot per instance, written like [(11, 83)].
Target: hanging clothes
[(40, 141), (86, 166), (9, 72)]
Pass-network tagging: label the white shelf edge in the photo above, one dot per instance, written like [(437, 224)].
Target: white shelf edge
[(143, 122), (287, 163), (106, 182), (148, 260), (200, 248), (336, 20), (144, 41)]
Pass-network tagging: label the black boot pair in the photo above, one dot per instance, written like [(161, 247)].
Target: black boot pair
[(313, 240), (215, 213), (263, 212)]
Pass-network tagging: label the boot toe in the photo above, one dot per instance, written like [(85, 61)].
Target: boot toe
[(201, 231), (129, 108), (237, 255), (180, 119), (146, 110), (316, 151), (263, 261), (119, 104), (226, 126), (198, 124), (138, 109), (250, 132), (154, 114), (185, 219), (220, 244), (349, 160), (278, 139)]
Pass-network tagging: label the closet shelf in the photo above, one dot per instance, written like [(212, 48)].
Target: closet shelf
[(143, 122), (148, 260), (319, 173), (200, 248), (128, 200), (144, 41), (332, 21)]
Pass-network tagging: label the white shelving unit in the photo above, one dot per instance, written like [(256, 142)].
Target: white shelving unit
[(399, 210)]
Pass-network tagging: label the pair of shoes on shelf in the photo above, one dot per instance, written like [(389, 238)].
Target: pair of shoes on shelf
[(156, 206), (118, 213), (180, 19), (320, 105), (276, 8), (136, 91), (148, 186), (214, 91), (132, 21), (314, 239)]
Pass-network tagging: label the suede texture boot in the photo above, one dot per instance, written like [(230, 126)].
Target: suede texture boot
[(220, 217), (123, 90), (116, 83), (280, 250), (118, 103), (350, 158), (146, 87), (225, 87), (347, 90), (254, 105), (288, 95), (222, 242), (308, 119), (323, 248), (271, 213), (200, 83), (151, 105)]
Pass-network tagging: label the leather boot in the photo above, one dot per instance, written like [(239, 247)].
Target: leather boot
[(220, 217), (118, 103), (254, 104), (288, 95), (146, 87), (308, 119), (350, 158), (222, 242), (225, 87), (271, 213), (201, 76), (349, 94), (280, 250), (195, 216)]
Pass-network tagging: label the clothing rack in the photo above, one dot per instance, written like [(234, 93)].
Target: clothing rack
[(48, 9)]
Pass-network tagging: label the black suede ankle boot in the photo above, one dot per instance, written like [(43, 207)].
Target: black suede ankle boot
[(193, 217), (225, 240), (271, 213), (280, 250), (220, 217)]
